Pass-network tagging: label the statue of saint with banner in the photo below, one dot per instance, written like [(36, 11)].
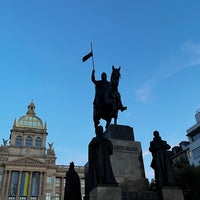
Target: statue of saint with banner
[(107, 100)]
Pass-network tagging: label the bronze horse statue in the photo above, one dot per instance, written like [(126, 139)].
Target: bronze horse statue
[(107, 100)]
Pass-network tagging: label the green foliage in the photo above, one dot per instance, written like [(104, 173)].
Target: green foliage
[(188, 179)]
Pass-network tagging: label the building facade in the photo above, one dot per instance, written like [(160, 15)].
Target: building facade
[(193, 134), (189, 150), (28, 169)]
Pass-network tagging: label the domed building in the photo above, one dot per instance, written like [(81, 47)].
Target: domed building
[(28, 169)]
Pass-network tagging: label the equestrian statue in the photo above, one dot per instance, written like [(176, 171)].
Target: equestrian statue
[(107, 99)]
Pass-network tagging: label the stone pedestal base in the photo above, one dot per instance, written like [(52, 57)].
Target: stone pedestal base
[(127, 161), (106, 192), (171, 193)]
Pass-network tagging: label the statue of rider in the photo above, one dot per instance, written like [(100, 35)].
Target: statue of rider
[(101, 86)]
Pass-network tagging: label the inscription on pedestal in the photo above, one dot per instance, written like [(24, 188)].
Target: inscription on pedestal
[(122, 148)]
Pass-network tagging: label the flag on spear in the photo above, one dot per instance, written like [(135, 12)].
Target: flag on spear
[(86, 57)]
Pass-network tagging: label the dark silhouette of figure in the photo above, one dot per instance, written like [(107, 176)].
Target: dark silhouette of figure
[(72, 185), (100, 87), (100, 169), (107, 99), (161, 161)]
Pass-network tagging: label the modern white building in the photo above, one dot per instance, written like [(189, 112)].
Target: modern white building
[(193, 134), (189, 150)]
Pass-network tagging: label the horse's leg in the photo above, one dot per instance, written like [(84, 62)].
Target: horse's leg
[(115, 118), (96, 119), (108, 121)]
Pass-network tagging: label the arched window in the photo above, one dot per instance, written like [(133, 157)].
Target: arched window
[(18, 141), (38, 142), (28, 141)]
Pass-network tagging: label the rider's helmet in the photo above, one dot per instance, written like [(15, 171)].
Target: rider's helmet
[(103, 76)]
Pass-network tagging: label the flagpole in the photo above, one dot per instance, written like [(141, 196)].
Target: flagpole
[(92, 57)]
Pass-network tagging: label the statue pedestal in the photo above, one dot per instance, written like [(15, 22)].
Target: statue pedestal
[(127, 161), (106, 192), (127, 165), (171, 193)]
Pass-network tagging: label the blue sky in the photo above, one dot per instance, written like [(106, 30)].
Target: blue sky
[(156, 43)]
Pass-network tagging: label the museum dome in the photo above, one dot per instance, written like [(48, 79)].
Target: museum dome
[(30, 119)]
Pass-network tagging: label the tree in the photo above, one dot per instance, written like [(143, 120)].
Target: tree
[(188, 179)]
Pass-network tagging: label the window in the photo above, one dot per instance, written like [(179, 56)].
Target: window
[(57, 197), (64, 182), (196, 137), (82, 183), (28, 141), (35, 184), (38, 142), (18, 141), (196, 153), (48, 179), (189, 154), (57, 182), (48, 196), (13, 183), (1, 178)]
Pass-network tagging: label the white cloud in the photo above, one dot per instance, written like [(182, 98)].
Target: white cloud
[(144, 93), (149, 174), (146, 153), (188, 55)]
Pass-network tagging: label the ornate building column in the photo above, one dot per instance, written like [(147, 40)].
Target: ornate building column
[(8, 183), (40, 184), (44, 184), (62, 189), (30, 183), (4, 182), (19, 184)]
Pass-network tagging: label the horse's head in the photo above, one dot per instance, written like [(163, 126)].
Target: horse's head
[(116, 72), (115, 76)]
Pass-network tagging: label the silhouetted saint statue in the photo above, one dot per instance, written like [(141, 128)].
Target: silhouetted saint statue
[(107, 99), (100, 169), (161, 161), (100, 87), (72, 185)]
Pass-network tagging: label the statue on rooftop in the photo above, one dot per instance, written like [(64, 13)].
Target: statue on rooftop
[(31, 109), (5, 142), (50, 150)]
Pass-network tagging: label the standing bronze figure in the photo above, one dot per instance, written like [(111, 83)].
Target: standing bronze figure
[(161, 161), (72, 184), (100, 169)]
